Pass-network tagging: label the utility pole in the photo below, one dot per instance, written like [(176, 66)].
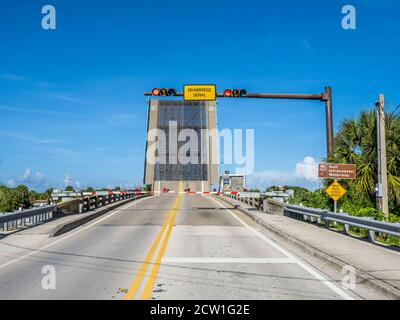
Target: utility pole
[(67, 180), (382, 202)]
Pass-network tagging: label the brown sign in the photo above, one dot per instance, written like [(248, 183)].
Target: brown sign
[(337, 171)]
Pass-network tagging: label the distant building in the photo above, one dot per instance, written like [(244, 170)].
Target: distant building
[(281, 196), (59, 195), (40, 203), (232, 182)]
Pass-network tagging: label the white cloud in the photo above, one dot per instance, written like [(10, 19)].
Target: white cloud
[(304, 174), (27, 175), (31, 180), (307, 169), (267, 178)]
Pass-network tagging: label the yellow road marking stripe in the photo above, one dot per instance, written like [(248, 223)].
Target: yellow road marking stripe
[(148, 289), (145, 264)]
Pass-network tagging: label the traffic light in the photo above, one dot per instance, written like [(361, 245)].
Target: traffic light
[(235, 93), (171, 92), (163, 92), (228, 93)]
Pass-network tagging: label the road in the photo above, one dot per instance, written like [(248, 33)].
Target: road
[(162, 247)]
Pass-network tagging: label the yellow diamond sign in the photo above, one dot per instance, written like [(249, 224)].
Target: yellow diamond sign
[(336, 191)]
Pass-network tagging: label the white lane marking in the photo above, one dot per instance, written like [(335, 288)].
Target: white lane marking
[(313, 272), (228, 260), (112, 213)]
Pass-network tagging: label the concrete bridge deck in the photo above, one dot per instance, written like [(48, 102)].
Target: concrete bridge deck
[(167, 247)]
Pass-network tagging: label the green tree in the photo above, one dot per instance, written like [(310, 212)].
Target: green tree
[(147, 187), (23, 196), (316, 199), (33, 196), (6, 199), (13, 199), (355, 143), (47, 194), (70, 189)]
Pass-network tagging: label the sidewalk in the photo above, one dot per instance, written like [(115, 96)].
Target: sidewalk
[(376, 265)]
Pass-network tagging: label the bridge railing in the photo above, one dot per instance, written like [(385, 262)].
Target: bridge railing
[(326, 218), (257, 200), (319, 216), (82, 204), (28, 217)]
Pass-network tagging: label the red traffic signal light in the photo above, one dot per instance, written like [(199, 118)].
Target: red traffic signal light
[(228, 93), (235, 93)]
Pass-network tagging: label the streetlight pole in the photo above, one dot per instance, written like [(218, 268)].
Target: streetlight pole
[(382, 202), (327, 97)]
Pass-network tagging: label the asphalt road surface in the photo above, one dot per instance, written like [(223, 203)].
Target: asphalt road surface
[(162, 247)]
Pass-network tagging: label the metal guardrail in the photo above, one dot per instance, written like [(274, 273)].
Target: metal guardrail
[(322, 216), (31, 217), (326, 217), (14, 220), (250, 199), (99, 200)]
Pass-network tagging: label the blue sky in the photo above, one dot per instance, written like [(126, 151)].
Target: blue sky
[(71, 99)]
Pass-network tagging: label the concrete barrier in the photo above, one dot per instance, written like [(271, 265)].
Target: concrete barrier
[(69, 207), (273, 207)]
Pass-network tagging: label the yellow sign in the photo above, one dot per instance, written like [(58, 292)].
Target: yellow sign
[(336, 191), (199, 92)]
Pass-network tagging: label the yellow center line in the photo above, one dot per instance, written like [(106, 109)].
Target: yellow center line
[(180, 186), (148, 288), (147, 260)]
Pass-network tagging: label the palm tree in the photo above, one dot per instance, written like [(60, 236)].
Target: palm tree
[(356, 143)]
